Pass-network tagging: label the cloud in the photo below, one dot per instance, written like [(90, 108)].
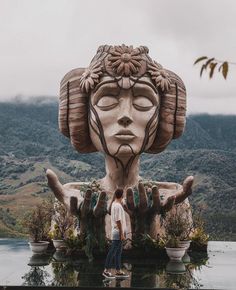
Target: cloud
[(42, 40)]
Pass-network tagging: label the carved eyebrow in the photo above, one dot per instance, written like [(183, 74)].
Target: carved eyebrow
[(111, 84), (109, 89), (137, 88), (146, 91)]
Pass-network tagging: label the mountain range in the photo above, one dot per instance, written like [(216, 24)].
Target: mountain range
[(30, 142)]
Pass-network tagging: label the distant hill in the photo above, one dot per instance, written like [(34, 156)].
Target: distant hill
[(30, 142)]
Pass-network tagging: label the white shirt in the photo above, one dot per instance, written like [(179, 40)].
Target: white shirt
[(117, 214)]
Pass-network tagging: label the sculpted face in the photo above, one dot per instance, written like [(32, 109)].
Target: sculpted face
[(123, 121)]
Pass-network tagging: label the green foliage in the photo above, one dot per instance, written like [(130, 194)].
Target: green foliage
[(7, 218), (74, 243), (173, 242), (147, 243), (63, 222), (38, 221), (199, 235)]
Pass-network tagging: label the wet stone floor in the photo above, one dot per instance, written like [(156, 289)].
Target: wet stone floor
[(213, 270)]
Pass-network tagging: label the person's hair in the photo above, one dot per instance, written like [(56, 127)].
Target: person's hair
[(119, 193), (74, 112)]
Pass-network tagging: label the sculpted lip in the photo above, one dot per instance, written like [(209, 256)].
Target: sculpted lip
[(125, 135)]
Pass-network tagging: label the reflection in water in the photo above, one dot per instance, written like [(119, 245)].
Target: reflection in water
[(66, 271), (36, 276), (64, 274), (186, 258), (175, 267), (39, 260)]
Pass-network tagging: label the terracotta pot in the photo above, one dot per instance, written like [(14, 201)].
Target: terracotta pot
[(38, 247), (59, 244), (175, 254)]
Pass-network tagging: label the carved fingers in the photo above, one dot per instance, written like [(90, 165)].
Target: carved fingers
[(168, 203), (157, 206), (130, 199), (143, 202), (73, 205), (156, 202), (55, 185), (185, 191), (130, 204), (101, 206), (85, 206)]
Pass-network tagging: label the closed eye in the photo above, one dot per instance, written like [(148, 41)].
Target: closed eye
[(107, 103), (142, 103)]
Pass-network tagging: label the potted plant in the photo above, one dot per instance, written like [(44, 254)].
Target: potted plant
[(63, 224), (36, 223), (184, 214), (173, 249), (178, 225)]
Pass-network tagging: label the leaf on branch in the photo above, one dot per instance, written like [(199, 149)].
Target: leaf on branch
[(200, 59), (225, 67), (202, 69), (212, 68), (209, 61)]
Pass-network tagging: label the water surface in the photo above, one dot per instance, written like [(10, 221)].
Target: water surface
[(214, 270)]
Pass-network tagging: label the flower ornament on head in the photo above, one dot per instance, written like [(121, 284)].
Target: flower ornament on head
[(124, 63), (90, 77), (125, 60), (160, 76)]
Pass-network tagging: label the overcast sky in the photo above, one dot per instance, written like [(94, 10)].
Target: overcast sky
[(40, 41)]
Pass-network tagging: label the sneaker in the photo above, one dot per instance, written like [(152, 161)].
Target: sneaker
[(108, 275), (121, 275)]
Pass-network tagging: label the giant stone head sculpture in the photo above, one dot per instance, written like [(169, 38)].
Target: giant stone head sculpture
[(124, 103)]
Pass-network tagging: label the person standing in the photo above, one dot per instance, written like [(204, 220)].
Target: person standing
[(118, 233)]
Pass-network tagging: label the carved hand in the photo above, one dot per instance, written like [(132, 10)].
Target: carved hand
[(70, 195), (153, 201)]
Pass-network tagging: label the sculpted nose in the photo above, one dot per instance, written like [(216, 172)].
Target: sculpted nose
[(125, 121)]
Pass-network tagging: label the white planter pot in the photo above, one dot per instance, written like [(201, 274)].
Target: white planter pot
[(59, 244), (175, 254), (185, 244), (38, 247)]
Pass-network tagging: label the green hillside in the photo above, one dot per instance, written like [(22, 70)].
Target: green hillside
[(30, 142)]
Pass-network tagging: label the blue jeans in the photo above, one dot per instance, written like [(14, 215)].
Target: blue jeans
[(114, 252)]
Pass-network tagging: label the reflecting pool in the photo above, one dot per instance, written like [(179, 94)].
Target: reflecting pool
[(212, 270)]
